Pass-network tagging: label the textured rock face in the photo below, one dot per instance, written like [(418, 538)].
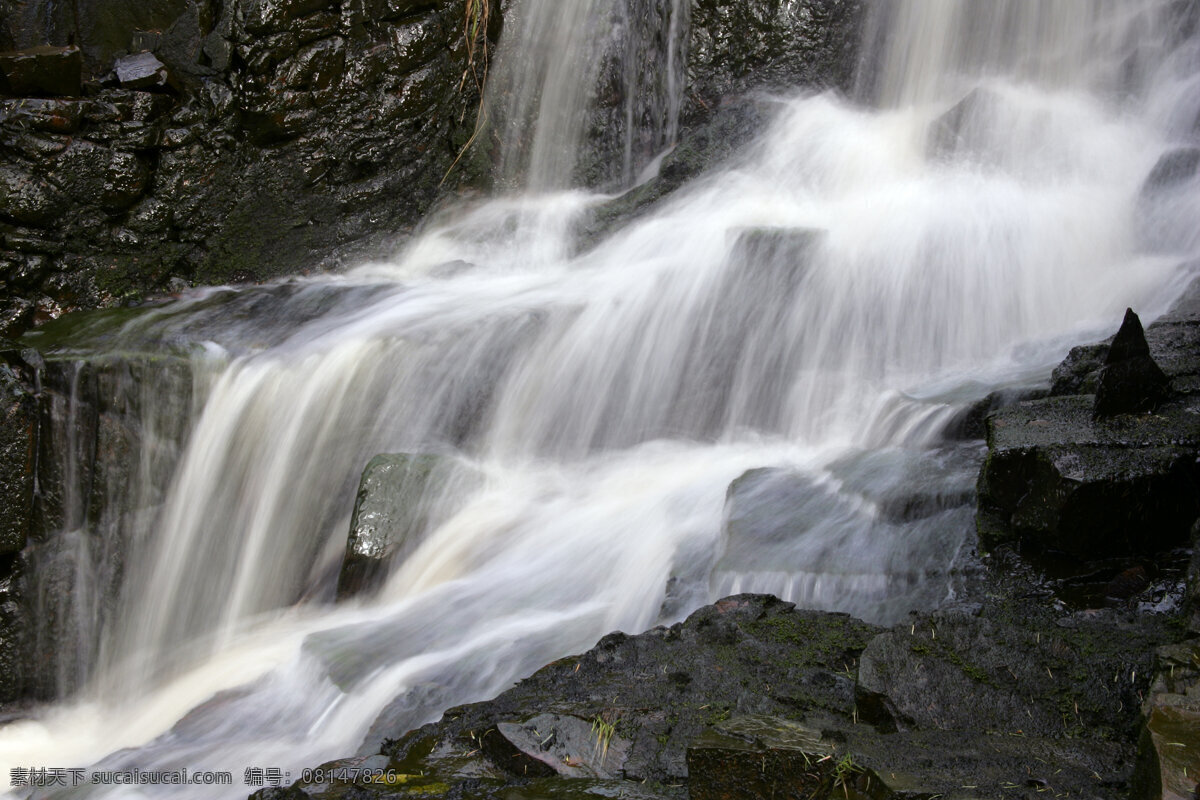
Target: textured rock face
[(392, 513), (1125, 482), (1130, 382), (751, 698), (219, 142)]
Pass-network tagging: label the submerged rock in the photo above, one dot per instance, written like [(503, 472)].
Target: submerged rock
[(1130, 381)]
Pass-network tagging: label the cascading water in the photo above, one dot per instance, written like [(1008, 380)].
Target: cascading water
[(822, 305)]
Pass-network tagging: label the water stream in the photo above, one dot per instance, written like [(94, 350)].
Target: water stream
[(822, 304)]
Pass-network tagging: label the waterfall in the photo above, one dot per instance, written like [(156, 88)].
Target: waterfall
[(820, 305)]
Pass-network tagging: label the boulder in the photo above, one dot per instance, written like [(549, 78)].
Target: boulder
[(392, 513), (1130, 381), (1168, 765), (1120, 484), (141, 71), (1053, 480), (751, 697), (41, 71)]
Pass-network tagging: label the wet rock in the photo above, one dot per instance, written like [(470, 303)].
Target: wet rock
[(41, 71), (1173, 168), (755, 757), (1130, 381), (762, 44), (392, 513), (1079, 372), (141, 71), (752, 698), (27, 198), (970, 423), (1056, 480), (1127, 583), (566, 745), (18, 445), (1169, 750), (907, 485), (14, 626), (1006, 675), (48, 115)]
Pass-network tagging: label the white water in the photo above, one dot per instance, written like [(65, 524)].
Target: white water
[(608, 399)]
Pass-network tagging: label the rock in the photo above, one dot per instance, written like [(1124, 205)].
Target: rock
[(14, 627), (43, 70), (392, 514), (970, 423), (1127, 583), (751, 697), (1079, 372), (1130, 381), (1192, 583), (27, 198), (737, 45), (49, 115), (1173, 168), (757, 757), (907, 485), (566, 745), (141, 71), (964, 129), (1056, 480), (1008, 675), (1169, 750), (18, 445)]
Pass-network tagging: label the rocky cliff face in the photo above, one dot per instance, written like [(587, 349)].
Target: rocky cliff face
[(146, 143)]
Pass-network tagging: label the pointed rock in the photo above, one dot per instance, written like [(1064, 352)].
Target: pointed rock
[(1130, 382)]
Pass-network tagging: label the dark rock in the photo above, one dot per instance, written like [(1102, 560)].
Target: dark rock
[(1130, 381), (18, 444), (391, 515), (1127, 583), (1079, 372), (48, 115), (141, 71), (1169, 750), (746, 699), (764, 44), (40, 71), (970, 423), (1053, 480), (27, 198), (757, 757), (14, 628), (1001, 673)]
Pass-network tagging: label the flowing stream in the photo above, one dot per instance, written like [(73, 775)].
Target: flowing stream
[(822, 304)]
